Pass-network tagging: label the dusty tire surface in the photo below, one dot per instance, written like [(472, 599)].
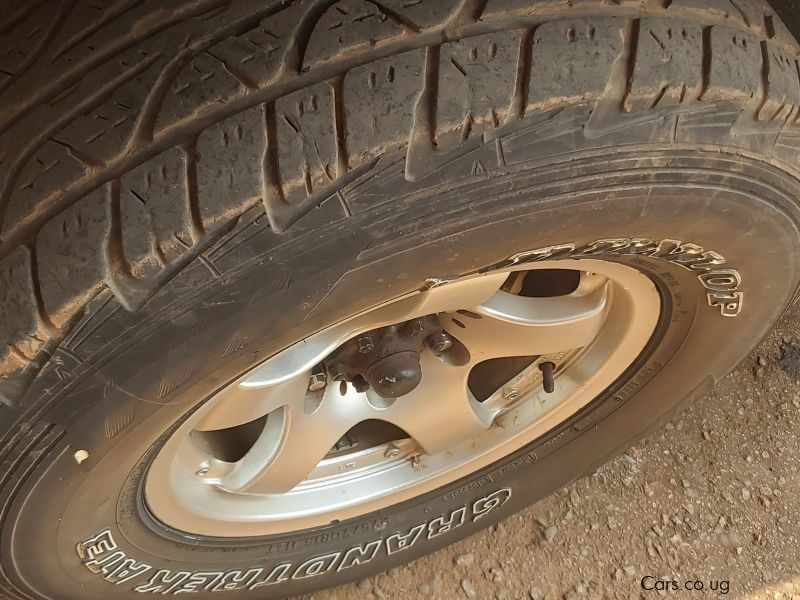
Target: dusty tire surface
[(231, 176)]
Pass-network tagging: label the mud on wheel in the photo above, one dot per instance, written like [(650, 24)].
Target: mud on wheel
[(293, 292)]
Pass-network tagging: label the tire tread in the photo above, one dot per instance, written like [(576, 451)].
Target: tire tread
[(164, 125)]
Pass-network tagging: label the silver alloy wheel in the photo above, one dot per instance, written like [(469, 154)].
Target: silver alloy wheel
[(304, 469)]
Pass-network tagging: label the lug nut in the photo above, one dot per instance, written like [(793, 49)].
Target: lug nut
[(392, 451), (317, 381), (440, 342), (366, 344), (337, 372), (548, 378), (510, 393), (360, 384)]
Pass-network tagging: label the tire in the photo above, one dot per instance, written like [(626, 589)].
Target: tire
[(188, 190)]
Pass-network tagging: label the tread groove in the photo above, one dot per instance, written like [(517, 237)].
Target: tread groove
[(340, 126), (764, 84), (114, 12), (57, 23), (631, 40), (769, 26), (48, 92), (132, 292), (235, 72), (25, 10), (397, 17), (741, 12), (191, 158), (705, 82), (38, 300), (155, 242), (295, 53), (15, 169), (92, 163), (519, 100), (470, 11)]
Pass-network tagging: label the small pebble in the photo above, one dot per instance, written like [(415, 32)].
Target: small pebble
[(468, 588), (498, 575), (364, 584), (550, 533), (465, 560)]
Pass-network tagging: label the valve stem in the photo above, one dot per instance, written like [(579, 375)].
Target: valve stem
[(548, 380)]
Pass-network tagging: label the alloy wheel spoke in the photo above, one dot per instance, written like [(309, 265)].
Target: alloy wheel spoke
[(468, 292), (304, 355), (247, 401), (294, 441), (509, 325), (441, 412)]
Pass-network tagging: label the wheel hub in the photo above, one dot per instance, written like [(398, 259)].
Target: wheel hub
[(387, 359)]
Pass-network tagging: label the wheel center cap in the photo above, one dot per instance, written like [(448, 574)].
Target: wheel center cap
[(387, 359), (395, 375)]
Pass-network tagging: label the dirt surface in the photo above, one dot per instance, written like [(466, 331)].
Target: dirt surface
[(714, 497)]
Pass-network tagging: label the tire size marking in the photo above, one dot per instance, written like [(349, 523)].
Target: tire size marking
[(101, 555), (722, 285)]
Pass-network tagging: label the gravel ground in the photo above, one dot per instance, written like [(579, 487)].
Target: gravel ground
[(714, 497)]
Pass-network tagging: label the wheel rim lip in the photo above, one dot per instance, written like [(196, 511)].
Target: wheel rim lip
[(172, 498)]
